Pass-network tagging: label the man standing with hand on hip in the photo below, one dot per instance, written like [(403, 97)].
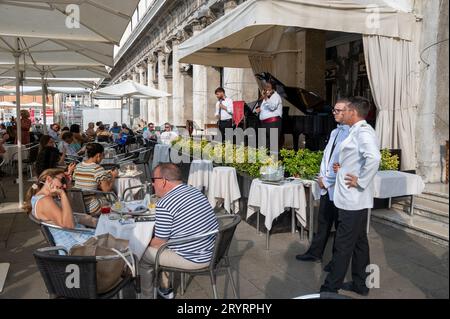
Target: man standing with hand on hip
[(328, 213), (359, 160)]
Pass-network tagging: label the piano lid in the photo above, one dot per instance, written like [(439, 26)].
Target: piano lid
[(306, 101)]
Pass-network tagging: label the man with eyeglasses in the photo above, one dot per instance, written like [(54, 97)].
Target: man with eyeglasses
[(183, 211), (328, 213), (358, 162)]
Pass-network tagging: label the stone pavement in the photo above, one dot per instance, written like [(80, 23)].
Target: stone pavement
[(410, 267)]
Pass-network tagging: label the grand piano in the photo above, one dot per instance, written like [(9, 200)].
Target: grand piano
[(316, 123)]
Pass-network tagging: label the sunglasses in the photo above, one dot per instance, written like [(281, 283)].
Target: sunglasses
[(63, 180)]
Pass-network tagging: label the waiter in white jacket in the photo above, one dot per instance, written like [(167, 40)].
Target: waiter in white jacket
[(359, 160), (328, 213)]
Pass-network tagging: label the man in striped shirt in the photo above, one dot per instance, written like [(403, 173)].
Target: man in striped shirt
[(89, 175), (182, 211)]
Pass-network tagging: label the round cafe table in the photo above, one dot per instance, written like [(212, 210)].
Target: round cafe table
[(200, 174), (161, 154), (271, 200), (122, 183), (138, 234)]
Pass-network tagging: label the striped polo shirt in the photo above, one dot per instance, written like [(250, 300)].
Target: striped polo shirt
[(184, 212), (87, 176)]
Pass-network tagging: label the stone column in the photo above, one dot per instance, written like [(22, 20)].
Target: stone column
[(143, 102), (177, 86), (162, 85), (152, 111), (199, 86), (186, 87)]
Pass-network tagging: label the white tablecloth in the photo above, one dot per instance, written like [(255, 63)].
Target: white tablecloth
[(389, 184), (139, 234), (314, 186), (224, 185), (161, 154), (122, 183), (200, 173), (272, 200)]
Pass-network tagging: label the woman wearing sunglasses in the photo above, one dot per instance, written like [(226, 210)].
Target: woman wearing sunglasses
[(47, 201)]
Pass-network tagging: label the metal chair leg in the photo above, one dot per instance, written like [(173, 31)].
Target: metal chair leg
[(233, 286), (212, 275), (182, 283)]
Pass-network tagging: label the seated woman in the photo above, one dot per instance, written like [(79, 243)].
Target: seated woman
[(47, 201)]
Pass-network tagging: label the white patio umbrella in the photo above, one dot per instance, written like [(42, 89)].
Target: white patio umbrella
[(7, 104), (129, 89), (32, 104), (99, 22)]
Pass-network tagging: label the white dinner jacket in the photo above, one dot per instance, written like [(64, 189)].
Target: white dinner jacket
[(359, 155), (338, 135)]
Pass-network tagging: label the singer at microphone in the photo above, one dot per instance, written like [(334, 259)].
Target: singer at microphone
[(224, 111)]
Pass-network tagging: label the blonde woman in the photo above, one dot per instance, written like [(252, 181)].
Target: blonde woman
[(47, 201)]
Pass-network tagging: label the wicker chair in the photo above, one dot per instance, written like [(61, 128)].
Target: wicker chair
[(219, 259), (54, 270)]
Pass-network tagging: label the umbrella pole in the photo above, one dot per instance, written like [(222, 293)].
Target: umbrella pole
[(53, 106), (44, 106), (18, 125), (121, 110)]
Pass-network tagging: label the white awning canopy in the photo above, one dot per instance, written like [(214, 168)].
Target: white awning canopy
[(99, 20), (37, 90), (251, 27), (130, 89), (84, 83)]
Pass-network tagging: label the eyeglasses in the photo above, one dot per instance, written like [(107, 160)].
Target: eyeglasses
[(155, 178), (337, 111)]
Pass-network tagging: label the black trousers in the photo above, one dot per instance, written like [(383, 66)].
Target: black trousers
[(224, 125), (278, 129), (328, 215), (350, 244)]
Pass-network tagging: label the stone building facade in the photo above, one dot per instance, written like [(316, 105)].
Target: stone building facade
[(150, 57)]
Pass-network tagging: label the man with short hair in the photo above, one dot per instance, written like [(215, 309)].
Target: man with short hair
[(150, 135), (182, 211), (54, 132), (224, 111), (328, 213), (358, 162), (89, 175)]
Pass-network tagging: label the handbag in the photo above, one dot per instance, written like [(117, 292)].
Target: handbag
[(109, 272)]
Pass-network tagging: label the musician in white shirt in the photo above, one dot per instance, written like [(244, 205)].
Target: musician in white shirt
[(224, 112), (271, 113), (358, 162), (328, 213)]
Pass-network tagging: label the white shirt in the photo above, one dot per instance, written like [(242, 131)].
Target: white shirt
[(168, 137), (339, 134), (228, 114), (359, 154), (64, 147), (53, 135), (271, 107)]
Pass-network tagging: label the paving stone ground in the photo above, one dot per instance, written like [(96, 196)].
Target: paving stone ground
[(410, 266)]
